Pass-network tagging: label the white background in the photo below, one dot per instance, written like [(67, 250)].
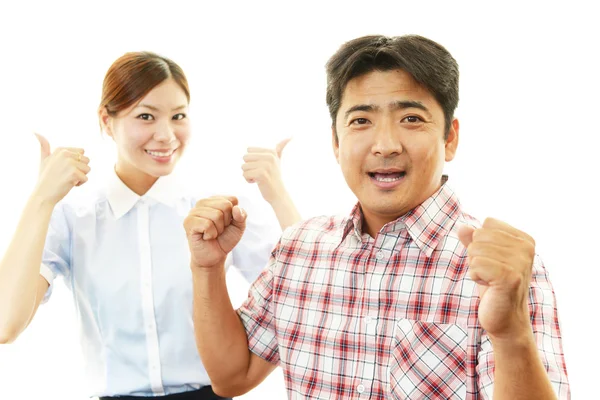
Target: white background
[(528, 111)]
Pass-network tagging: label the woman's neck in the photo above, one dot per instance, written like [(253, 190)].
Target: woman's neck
[(136, 180)]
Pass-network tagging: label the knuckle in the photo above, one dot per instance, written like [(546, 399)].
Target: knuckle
[(532, 242), (488, 222), (531, 250)]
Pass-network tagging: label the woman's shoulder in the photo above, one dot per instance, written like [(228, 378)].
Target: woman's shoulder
[(83, 199)]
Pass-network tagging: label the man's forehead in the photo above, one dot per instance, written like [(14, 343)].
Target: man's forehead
[(382, 89), (377, 83)]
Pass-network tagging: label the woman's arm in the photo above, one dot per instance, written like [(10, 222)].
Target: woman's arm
[(262, 166), (20, 280), (21, 286)]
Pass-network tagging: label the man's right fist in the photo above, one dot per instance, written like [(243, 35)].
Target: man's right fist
[(214, 227), (60, 170)]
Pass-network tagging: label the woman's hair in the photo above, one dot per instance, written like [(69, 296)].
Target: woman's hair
[(134, 75)]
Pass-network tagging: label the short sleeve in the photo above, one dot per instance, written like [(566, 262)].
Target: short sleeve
[(546, 330), (57, 249), (258, 317)]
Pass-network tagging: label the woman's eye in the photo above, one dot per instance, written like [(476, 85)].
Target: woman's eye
[(179, 116), (146, 117)]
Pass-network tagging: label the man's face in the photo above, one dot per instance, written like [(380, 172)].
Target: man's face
[(391, 144)]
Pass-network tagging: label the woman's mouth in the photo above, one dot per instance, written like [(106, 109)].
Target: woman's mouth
[(161, 155)]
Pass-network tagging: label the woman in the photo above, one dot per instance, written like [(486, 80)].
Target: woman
[(123, 250)]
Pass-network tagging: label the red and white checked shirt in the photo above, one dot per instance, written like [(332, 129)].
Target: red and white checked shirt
[(347, 316)]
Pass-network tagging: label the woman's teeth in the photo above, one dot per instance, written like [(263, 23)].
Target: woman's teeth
[(160, 153)]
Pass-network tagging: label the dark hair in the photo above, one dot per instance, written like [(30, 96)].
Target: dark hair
[(134, 75), (429, 63)]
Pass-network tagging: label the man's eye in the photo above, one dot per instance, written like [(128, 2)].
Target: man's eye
[(412, 119), (359, 121)]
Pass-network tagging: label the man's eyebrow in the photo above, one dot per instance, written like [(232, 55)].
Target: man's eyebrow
[(404, 104), (396, 105), (361, 107)]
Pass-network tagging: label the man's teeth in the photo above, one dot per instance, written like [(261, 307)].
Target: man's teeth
[(383, 179), (388, 177), (160, 153)]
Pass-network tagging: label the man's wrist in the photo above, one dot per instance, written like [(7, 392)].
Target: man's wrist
[(199, 270), (514, 343)]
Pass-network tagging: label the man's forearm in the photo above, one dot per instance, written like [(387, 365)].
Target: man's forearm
[(220, 335), (519, 372)]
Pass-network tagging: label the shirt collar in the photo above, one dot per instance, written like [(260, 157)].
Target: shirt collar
[(426, 224), (166, 190)]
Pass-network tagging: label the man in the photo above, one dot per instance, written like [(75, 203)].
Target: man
[(408, 297)]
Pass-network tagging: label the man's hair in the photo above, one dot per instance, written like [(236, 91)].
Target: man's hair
[(429, 63)]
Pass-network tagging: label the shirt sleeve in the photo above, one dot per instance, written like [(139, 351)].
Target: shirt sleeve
[(546, 330), (257, 314), (57, 250), (251, 255)]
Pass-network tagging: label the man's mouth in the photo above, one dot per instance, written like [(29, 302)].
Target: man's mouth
[(391, 176)]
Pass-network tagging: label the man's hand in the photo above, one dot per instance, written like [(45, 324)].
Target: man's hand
[(500, 259), (214, 227)]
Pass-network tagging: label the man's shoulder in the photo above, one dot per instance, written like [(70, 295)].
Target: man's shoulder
[(324, 228), (467, 219)]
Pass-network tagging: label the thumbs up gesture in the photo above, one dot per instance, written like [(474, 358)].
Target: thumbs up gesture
[(262, 166), (500, 259), (60, 171)]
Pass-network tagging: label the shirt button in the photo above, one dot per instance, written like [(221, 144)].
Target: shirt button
[(360, 388), (379, 255), (368, 319)]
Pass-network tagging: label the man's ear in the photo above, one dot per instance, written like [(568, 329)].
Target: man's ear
[(335, 143), (452, 140)]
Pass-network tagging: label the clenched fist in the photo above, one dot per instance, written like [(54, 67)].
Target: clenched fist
[(214, 227), (500, 260)]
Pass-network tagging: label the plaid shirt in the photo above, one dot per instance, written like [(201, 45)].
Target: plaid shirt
[(347, 316)]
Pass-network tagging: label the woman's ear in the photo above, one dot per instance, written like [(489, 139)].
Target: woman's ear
[(105, 121)]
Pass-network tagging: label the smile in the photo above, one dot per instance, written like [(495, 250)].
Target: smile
[(387, 180), (387, 177), (162, 153)]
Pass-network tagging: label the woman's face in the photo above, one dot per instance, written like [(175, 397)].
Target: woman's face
[(152, 134)]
